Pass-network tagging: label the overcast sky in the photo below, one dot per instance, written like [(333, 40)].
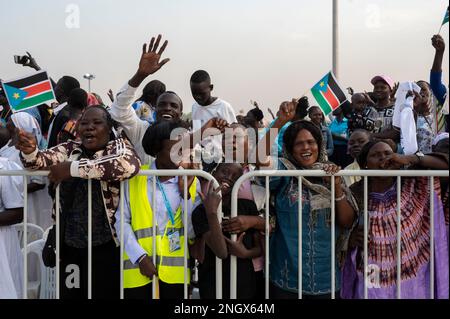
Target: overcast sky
[(263, 50)]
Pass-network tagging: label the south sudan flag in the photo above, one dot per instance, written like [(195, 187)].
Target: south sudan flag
[(28, 92), (328, 94), (446, 17)]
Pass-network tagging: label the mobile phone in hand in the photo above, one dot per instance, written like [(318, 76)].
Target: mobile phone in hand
[(20, 59)]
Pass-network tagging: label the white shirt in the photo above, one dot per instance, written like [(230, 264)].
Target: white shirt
[(123, 112), (132, 247), (11, 153), (11, 259), (202, 114), (11, 187)]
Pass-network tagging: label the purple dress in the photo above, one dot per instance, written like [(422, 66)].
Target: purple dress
[(382, 253)]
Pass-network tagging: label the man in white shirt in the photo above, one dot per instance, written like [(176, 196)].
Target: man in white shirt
[(169, 106), (205, 108)]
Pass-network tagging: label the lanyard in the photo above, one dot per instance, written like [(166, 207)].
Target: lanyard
[(166, 201)]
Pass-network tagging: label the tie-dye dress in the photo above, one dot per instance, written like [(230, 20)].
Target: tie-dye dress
[(382, 248)]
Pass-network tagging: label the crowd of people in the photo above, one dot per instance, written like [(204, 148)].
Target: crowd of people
[(392, 127)]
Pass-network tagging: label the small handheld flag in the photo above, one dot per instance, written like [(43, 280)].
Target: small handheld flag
[(328, 94), (29, 91), (445, 19)]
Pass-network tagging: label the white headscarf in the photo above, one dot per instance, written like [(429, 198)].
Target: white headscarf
[(28, 123)]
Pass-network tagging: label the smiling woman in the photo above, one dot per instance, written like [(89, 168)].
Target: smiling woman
[(303, 150), (107, 159)]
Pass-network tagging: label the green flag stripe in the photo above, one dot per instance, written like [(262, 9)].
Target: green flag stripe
[(324, 105), (35, 100)]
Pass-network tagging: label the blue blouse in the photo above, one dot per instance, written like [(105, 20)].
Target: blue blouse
[(316, 241)]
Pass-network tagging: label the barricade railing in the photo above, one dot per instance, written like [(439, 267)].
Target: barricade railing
[(155, 173), (317, 173), (234, 210)]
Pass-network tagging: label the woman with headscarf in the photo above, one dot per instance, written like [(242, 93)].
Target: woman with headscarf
[(382, 235), (303, 150)]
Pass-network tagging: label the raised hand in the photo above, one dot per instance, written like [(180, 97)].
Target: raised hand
[(24, 141), (149, 62), (271, 113), (438, 43), (31, 62), (111, 95), (369, 100), (212, 199), (286, 113)]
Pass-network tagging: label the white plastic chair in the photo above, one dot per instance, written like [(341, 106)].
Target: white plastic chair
[(34, 232), (46, 285)]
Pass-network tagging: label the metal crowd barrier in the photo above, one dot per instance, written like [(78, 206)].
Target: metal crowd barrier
[(233, 266), (180, 173), (316, 173)]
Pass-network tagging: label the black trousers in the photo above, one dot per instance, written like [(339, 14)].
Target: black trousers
[(105, 272), (166, 291)]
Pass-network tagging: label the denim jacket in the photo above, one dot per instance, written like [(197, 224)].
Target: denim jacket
[(316, 238)]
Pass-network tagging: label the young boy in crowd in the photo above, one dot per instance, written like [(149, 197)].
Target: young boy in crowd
[(357, 140), (362, 114), (205, 108)]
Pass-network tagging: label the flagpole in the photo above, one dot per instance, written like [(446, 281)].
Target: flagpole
[(335, 39)]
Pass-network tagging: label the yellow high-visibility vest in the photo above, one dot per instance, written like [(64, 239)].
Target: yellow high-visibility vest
[(170, 265)]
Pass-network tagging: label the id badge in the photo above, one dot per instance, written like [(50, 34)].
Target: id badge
[(174, 241)]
